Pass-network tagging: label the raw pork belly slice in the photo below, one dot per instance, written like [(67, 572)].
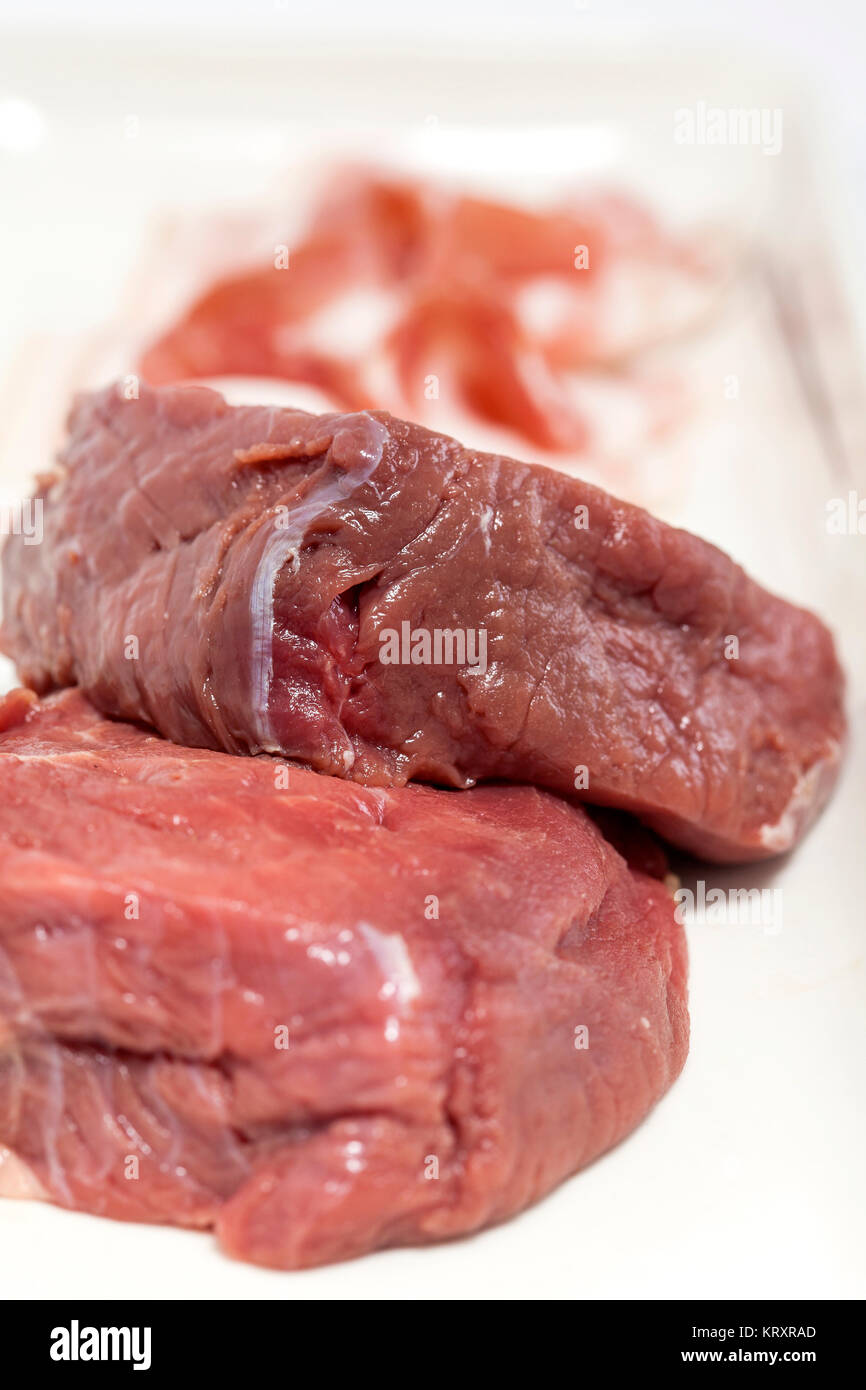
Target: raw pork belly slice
[(170, 917), (235, 577)]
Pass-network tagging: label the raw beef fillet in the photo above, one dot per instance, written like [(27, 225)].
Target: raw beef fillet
[(171, 918), (252, 578)]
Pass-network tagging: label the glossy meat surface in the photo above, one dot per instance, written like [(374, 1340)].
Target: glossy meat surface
[(317, 1017), (237, 577)]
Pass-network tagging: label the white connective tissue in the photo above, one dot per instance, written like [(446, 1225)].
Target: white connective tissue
[(359, 437)]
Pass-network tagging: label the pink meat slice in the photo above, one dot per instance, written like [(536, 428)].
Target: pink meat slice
[(235, 578), (317, 1017)]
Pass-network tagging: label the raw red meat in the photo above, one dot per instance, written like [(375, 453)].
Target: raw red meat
[(459, 281), (231, 576), (169, 916)]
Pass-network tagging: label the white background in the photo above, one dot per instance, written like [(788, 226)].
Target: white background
[(822, 41)]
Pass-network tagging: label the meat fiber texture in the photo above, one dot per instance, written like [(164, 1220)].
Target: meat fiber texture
[(254, 578), (317, 1017)]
